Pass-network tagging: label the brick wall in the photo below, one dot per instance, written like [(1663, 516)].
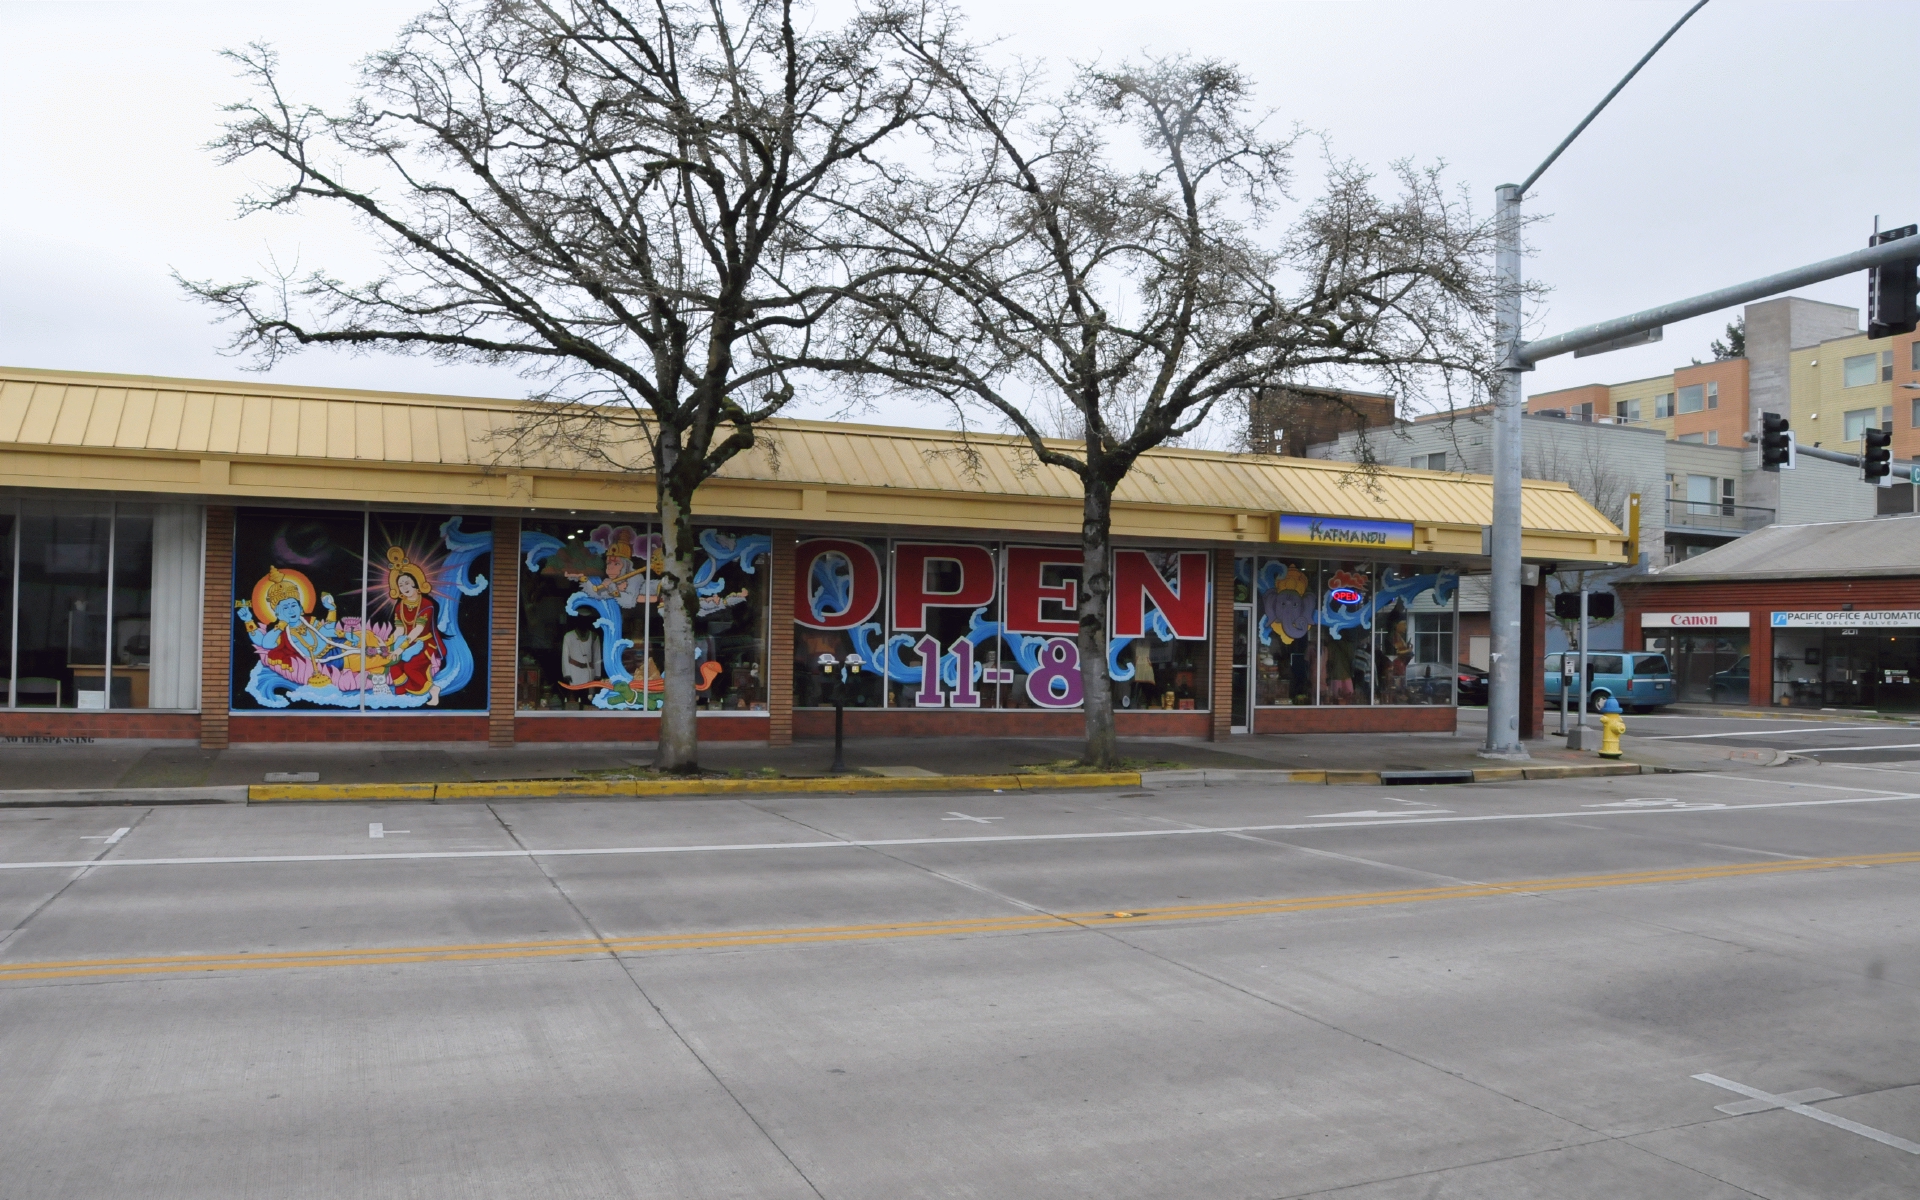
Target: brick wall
[(1355, 718), (1220, 724), (216, 631), (66, 723), (1533, 661), (503, 650), (326, 727), (780, 642), (633, 729)]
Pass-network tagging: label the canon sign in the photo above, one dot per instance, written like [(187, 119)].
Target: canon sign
[(1712, 620)]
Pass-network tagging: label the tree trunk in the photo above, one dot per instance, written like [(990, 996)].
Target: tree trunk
[(679, 750), (1096, 538)]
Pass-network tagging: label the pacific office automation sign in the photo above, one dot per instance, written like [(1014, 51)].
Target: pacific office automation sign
[(1870, 618), (1344, 533)]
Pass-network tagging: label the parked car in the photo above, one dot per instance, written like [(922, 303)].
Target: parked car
[(1638, 680), (1730, 684), (1472, 684), (1434, 683)]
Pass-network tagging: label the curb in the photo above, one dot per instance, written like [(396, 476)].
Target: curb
[(1211, 778), (521, 788), (63, 798)]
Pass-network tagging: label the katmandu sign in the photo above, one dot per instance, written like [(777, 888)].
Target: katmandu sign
[(1707, 620), (1343, 533), (1868, 618)]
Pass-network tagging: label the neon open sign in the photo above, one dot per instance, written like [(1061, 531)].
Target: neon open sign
[(1346, 596)]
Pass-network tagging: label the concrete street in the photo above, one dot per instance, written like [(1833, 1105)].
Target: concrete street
[(1210, 992)]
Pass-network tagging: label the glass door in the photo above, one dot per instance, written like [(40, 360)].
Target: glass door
[(1242, 666)]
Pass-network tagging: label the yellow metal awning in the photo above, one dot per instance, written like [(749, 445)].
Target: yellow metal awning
[(269, 443)]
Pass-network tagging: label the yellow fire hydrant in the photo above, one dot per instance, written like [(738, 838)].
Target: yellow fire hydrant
[(1612, 725)]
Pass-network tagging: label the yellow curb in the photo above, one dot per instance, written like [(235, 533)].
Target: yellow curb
[(1306, 777), (1091, 779), (1352, 776), (1498, 774), (341, 791), (521, 788)]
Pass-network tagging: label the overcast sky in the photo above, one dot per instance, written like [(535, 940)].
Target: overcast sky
[(1765, 135)]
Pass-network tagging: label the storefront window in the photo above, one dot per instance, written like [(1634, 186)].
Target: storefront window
[(944, 607), (108, 602), (1162, 657), (1337, 633), (839, 588), (1001, 618), (368, 612), (1847, 668), (591, 631), (1285, 657)]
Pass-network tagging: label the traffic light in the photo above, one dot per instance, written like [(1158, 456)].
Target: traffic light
[(1877, 461), (1776, 444), (1892, 289)]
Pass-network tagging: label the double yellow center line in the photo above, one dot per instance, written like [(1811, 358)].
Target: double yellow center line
[(1023, 923)]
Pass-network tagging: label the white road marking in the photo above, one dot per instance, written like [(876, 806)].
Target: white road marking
[(1787, 1102), (959, 816), (376, 830), (1850, 749), (107, 838), (1681, 737), (976, 839), (1666, 802), (1741, 1108), (1391, 812), (1785, 783)]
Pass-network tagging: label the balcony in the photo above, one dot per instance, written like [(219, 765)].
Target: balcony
[(1712, 516)]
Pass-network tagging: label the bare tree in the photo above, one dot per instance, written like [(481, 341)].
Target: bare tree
[(620, 197), (1121, 250)]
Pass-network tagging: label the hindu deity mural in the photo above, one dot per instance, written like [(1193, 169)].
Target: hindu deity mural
[(591, 629), (400, 640)]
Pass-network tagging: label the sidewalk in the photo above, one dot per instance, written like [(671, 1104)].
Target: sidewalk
[(108, 766)]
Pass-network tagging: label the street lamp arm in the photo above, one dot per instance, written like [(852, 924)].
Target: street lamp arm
[(1652, 318), (1608, 98)]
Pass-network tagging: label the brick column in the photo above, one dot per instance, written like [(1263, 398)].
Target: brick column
[(1533, 661), (503, 644), (1220, 729), (780, 642), (216, 630), (1760, 658)]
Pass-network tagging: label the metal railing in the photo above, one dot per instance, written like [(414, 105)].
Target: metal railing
[(1717, 516)]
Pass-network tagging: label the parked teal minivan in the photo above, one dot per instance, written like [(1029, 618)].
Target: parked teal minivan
[(1638, 680)]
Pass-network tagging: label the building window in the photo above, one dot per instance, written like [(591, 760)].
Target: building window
[(1700, 490), (1663, 406), (1860, 370), (1726, 497), (1915, 348), (1886, 366), (1629, 410), (104, 601), (1713, 394), (1669, 485), (1431, 462), (1692, 398), (1692, 439), (1916, 407), (1858, 422), (1713, 437)]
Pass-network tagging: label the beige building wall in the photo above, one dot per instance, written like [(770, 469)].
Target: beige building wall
[(1822, 398)]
